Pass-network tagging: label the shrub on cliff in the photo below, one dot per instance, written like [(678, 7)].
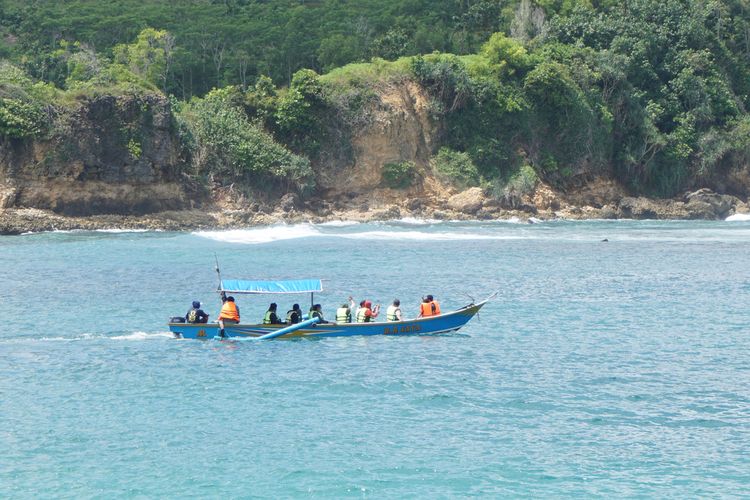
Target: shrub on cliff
[(398, 175), (22, 103), (456, 167), (230, 148)]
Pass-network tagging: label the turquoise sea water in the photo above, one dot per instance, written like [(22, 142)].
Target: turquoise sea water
[(618, 368)]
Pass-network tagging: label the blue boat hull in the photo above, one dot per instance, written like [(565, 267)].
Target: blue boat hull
[(449, 322)]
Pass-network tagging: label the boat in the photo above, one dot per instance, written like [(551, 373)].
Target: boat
[(311, 328)]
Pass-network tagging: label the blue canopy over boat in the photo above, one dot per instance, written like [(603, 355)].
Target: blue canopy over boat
[(283, 286)]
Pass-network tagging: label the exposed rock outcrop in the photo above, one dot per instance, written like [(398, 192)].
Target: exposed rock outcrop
[(106, 155), (400, 129)]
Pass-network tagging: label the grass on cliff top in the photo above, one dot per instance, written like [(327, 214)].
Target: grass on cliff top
[(376, 71), (381, 71)]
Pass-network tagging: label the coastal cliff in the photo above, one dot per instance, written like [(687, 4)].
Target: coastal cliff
[(103, 155), (118, 161)]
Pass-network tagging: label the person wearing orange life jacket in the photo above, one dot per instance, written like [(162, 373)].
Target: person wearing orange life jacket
[(429, 307), (230, 313), (367, 313)]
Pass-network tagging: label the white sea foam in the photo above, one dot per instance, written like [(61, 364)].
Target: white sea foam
[(261, 234), (116, 231), (415, 221), (339, 223), (738, 218)]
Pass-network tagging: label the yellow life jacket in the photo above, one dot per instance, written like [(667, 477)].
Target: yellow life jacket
[(343, 315), (267, 317), (362, 316)]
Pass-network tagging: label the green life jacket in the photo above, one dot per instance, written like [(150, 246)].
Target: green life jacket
[(267, 317), (390, 314), (192, 316), (343, 315), (314, 314)]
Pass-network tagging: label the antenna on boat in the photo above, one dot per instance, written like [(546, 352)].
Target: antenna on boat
[(218, 272)]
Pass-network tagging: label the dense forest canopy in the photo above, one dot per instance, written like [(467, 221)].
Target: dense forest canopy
[(652, 92), (217, 43)]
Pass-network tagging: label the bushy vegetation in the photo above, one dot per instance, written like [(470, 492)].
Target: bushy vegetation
[(22, 103), (227, 145), (399, 175), (652, 92), (456, 168)]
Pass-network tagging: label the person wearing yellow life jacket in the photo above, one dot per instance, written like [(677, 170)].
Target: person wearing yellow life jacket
[(230, 313), (316, 311), (344, 314), (294, 315), (393, 313), (271, 318), (429, 307), (365, 314)]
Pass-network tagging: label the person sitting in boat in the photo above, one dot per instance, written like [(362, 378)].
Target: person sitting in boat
[(230, 313), (271, 318), (294, 315), (344, 313), (393, 313), (429, 307), (367, 313), (316, 311), (196, 314)]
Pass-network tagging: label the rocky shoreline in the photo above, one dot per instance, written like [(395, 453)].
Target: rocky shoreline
[(471, 204)]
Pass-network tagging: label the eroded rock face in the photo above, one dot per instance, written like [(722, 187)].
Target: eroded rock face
[(400, 130), (108, 155)]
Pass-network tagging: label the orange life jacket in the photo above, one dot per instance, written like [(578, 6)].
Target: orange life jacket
[(429, 308), (229, 311)]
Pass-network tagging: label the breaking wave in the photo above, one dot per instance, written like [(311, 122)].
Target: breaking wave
[(262, 234), (339, 223), (738, 218)]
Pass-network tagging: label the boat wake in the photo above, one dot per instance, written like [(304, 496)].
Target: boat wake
[(142, 336), (91, 336)]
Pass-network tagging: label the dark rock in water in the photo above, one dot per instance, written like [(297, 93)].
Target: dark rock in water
[(605, 239), (706, 204), (390, 213), (637, 208)]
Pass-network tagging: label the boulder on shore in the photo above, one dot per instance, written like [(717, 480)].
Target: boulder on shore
[(468, 202)]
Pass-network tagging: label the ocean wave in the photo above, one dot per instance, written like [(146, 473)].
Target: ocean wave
[(415, 221), (259, 235), (339, 223), (117, 231), (425, 236), (738, 218)]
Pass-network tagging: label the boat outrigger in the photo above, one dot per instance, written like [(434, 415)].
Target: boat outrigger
[(443, 323)]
